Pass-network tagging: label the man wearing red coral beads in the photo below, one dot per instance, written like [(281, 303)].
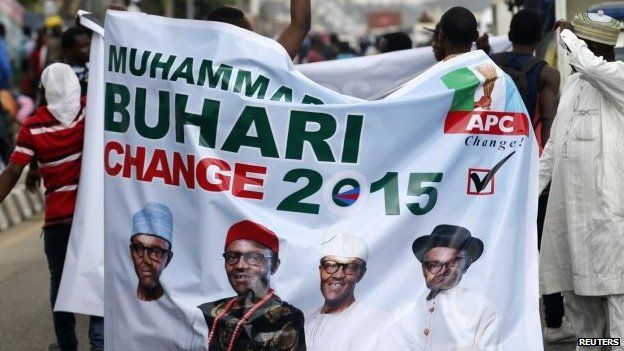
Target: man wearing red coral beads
[(256, 319)]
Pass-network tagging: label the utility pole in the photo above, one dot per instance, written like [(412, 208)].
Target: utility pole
[(190, 9), (168, 8)]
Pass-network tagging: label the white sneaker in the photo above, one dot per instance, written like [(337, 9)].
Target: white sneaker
[(564, 333)]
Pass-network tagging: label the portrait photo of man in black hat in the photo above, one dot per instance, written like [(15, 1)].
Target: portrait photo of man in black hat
[(449, 316)]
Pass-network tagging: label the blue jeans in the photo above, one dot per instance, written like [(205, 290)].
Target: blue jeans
[(55, 238)]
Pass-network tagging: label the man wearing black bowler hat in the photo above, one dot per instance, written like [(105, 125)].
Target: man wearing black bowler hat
[(449, 316)]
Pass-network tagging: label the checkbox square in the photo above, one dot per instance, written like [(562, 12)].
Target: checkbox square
[(480, 174)]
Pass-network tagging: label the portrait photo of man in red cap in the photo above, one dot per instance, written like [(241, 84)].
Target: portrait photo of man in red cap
[(256, 318)]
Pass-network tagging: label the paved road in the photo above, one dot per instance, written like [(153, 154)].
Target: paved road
[(25, 318)]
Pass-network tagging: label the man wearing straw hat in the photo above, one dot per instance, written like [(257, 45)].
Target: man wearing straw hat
[(342, 323), (449, 316), (583, 235)]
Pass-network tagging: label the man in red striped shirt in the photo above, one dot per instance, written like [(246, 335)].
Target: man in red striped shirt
[(54, 136)]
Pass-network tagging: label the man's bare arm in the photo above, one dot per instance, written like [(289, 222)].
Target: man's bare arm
[(548, 99), (300, 21), (9, 178)]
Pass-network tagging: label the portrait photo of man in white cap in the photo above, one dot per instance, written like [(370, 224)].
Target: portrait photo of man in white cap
[(150, 248), (583, 162), (448, 316), (342, 323)]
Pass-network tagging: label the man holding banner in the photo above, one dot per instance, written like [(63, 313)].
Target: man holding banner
[(291, 37), (251, 257)]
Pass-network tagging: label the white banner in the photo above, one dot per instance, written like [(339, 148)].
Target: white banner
[(373, 77), (208, 125), (82, 283)]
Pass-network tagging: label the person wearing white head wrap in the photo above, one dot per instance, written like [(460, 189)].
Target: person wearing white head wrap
[(584, 224), (62, 92), (53, 137), (342, 323)]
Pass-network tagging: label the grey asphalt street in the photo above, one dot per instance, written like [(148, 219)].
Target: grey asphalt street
[(25, 318)]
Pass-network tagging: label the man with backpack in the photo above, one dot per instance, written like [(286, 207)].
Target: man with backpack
[(538, 84)]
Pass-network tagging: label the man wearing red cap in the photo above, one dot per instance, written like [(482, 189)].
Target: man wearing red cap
[(255, 319)]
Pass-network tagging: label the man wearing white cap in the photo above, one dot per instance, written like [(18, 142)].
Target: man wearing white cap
[(583, 234), (342, 323)]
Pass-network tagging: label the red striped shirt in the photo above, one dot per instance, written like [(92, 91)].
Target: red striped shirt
[(58, 149)]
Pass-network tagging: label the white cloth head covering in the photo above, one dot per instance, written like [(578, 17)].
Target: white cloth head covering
[(341, 244), (62, 92)]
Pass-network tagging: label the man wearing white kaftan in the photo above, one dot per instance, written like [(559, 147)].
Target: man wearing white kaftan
[(455, 320), (583, 160), (356, 328)]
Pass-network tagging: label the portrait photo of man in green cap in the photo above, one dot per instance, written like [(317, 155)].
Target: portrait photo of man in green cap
[(449, 316)]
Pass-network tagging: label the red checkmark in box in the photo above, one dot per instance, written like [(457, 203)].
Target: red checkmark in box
[(477, 182)]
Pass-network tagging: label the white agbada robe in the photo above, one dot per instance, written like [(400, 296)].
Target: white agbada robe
[(583, 236), (356, 328), (457, 319), (148, 327)]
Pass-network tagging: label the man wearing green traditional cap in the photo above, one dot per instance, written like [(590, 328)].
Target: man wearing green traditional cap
[(583, 160)]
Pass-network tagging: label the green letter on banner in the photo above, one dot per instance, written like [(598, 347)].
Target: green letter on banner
[(117, 60), (298, 135), (162, 125), (206, 121), (223, 74), (244, 81), (351, 147), (111, 106), (239, 135)]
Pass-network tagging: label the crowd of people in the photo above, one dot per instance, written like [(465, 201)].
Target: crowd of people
[(579, 129)]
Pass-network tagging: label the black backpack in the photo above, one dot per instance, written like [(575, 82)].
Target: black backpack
[(518, 76)]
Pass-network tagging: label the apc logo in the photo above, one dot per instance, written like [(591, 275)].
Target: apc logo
[(467, 116), (486, 122)]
